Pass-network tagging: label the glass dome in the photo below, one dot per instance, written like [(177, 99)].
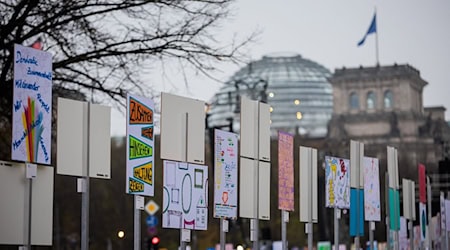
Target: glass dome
[(296, 89)]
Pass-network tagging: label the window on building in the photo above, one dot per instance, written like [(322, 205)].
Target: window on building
[(354, 101), (371, 100), (388, 99)]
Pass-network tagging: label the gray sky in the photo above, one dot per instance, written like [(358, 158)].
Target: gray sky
[(416, 32)]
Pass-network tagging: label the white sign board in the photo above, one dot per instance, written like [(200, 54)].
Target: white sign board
[(140, 146), (14, 195), (32, 106), (72, 139), (225, 174), (308, 184), (255, 129), (182, 129), (185, 197)]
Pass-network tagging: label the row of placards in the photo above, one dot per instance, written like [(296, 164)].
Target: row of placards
[(337, 185)]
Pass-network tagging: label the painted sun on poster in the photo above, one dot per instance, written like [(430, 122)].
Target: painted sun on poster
[(32, 105), (337, 181)]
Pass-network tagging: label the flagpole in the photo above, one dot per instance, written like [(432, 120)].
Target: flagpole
[(376, 42)]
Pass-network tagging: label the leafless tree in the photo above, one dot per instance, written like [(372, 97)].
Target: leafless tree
[(105, 46)]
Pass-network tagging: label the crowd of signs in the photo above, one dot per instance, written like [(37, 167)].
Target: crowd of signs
[(185, 184)]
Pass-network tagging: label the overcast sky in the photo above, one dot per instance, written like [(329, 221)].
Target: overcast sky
[(415, 32)]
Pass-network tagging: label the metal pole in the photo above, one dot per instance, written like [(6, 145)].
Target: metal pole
[(411, 234), (283, 230), (85, 194), (222, 235), (430, 244), (182, 243), (376, 42), (256, 220), (336, 228), (30, 190), (396, 240), (186, 123), (445, 231), (310, 235), (386, 196), (310, 199), (357, 170), (85, 215), (137, 224), (371, 229), (256, 233)]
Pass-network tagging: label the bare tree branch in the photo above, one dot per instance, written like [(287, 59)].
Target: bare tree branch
[(105, 46)]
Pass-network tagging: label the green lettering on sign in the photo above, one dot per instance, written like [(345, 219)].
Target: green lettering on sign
[(138, 149)]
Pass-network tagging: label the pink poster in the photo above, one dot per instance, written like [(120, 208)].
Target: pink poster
[(285, 171), (422, 184)]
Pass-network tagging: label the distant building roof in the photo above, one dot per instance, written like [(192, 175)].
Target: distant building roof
[(296, 88)]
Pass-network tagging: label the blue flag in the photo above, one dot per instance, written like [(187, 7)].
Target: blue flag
[(372, 29)]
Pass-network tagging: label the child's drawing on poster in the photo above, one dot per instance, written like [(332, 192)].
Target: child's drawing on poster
[(372, 210), (337, 182), (185, 203)]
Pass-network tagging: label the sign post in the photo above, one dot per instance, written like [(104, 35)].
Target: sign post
[(182, 139), (308, 190), (255, 164), (285, 180), (337, 189), (357, 192), (372, 210), (394, 200), (140, 148), (225, 179), (87, 127), (32, 112)]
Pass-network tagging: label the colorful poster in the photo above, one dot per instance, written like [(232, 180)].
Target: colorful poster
[(372, 206), (423, 221), (422, 183), (140, 146), (447, 215), (337, 182), (32, 106), (416, 237), (324, 245), (225, 174), (185, 196), (443, 213), (285, 171)]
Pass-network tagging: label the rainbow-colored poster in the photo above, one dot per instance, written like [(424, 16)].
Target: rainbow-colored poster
[(32, 106)]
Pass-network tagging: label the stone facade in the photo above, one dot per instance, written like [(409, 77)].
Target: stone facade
[(383, 106)]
